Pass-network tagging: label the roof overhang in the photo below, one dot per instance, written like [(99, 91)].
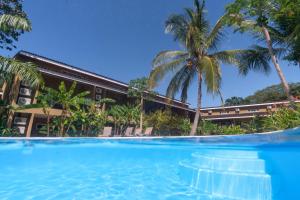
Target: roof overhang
[(76, 69)]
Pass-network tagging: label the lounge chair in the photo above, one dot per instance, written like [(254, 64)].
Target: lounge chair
[(138, 132), (148, 132), (107, 131), (128, 132)]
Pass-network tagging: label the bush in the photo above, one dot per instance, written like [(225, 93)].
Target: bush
[(209, 128), (284, 118), (167, 123), (232, 130)]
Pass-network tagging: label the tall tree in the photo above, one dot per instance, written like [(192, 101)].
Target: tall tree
[(139, 88), (254, 16), (286, 18), (201, 58)]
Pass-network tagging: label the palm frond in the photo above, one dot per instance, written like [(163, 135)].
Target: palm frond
[(210, 68), (216, 35), (256, 58), (181, 81), (166, 56), (186, 84), (171, 65), (177, 25), (8, 22), (26, 71), (227, 56)]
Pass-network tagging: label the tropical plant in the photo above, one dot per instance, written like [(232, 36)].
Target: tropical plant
[(69, 102), (286, 17), (200, 58), (283, 118), (210, 128), (27, 71), (139, 89), (46, 102), (90, 120), (232, 130), (167, 123), (184, 125), (102, 103), (123, 116), (13, 23), (254, 16)]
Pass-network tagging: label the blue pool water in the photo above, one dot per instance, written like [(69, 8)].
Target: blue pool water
[(234, 167)]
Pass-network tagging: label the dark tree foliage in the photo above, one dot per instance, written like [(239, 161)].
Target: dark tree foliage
[(269, 94), (10, 34), (287, 22), (234, 101)]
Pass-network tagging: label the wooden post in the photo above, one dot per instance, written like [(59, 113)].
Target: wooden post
[(29, 127), (12, 99)]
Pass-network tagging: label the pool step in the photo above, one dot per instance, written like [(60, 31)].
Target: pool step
[(230, 175), (234, 164)]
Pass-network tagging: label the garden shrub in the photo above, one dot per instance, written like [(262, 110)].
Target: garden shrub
[(167, 123)]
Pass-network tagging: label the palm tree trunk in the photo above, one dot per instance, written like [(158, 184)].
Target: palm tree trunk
[(276, 64), (199, 99), (141, 115)]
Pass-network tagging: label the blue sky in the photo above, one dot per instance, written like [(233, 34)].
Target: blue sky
[(119, 39)]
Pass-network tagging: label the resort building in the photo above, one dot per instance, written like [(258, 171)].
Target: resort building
[(241, 113), (30, 121)]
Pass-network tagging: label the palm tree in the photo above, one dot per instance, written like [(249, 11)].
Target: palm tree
[(15, 24), (200, 58), (139, 89), (253, 16)]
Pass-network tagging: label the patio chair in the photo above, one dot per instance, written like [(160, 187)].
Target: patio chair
[(138, 132), (148, 131), (128, 132), (107, 131)]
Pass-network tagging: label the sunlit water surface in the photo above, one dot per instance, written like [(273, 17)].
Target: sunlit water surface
[(247, 167)]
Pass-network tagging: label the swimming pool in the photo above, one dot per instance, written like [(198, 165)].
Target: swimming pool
[(230, 167)]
